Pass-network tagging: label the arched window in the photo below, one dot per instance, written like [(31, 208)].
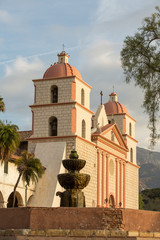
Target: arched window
[(53, 124), (83, 129), (82, 96), (54, 94), (6, 167), (111, 202), (131, 155), (130, 129)]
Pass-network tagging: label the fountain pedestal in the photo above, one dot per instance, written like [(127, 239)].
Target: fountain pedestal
[(73, 182)]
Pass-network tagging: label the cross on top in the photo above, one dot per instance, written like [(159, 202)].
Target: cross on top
[(101, 93)]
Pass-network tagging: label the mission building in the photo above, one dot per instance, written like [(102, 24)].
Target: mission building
[(62, 120)]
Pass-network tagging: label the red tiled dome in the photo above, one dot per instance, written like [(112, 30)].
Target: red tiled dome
[(113, 94), (61, 70), (115, 108)]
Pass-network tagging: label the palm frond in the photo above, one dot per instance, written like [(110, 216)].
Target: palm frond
[(30, 167)]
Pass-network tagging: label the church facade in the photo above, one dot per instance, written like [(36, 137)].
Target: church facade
[(62, 120)]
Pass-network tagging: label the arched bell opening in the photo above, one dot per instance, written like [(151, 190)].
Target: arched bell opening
[(54, 94), (53, 126)]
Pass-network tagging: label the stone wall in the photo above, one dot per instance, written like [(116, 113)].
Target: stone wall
[(85, 115), (78, 223), (131, 144), (81, 85), (42, 114), (43, 90), (132, 186), (88, 152), (70, 142)]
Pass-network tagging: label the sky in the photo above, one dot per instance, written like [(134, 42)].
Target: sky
[(93, 31)]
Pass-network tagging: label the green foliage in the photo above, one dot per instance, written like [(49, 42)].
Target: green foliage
[(151, 199), (140, 202), (9, 140), (30, 167), (140, 59), (2, 105)]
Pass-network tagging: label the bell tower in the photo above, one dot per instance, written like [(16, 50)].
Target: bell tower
[(118, 113), (61, 120), (61, 103)]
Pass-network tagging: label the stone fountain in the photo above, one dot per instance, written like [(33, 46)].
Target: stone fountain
[(73, 182)]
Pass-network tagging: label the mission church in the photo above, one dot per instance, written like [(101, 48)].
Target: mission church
[(62, 120)]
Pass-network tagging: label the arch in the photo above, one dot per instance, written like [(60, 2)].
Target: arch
[(130, 129), (18, 202), (82, 96), (30, 200), (83, 129), (111, 201), (1, 200), (53, 126), (131, 155), (54, 94)]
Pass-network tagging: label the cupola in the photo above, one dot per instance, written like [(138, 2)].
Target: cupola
[(63, 57), (62, 68), (113, 106), (113, 97)]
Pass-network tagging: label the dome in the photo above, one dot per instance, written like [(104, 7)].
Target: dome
[(113, 94), (62, 68), (113, 106)]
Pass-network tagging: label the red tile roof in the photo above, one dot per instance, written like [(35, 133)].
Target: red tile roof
[(24, 135), (115, 108), (61, 70)]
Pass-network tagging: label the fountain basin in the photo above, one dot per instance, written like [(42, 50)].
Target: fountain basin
[(74, 165), (73, 180)]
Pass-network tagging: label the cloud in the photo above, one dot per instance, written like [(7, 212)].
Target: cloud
[(22, 65), (101, 54), (5, 17), (116, 9), (100, 59), (96, 51), (17, 89)]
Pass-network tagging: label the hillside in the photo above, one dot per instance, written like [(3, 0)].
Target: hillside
[(150, 168)]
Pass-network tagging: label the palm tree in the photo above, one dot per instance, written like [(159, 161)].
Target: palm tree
[(2, 105), (9, 140), (29, 168)]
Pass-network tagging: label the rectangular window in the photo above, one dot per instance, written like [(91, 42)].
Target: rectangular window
[(6, 167)]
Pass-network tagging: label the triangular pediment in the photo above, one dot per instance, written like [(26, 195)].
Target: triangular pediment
[(111, 133)]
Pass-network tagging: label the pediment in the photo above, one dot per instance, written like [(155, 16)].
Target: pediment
[(111, 132)]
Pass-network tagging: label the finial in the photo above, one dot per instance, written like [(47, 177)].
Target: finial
[(63, 46), (113, 88), (73, 154), (101, 93)]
